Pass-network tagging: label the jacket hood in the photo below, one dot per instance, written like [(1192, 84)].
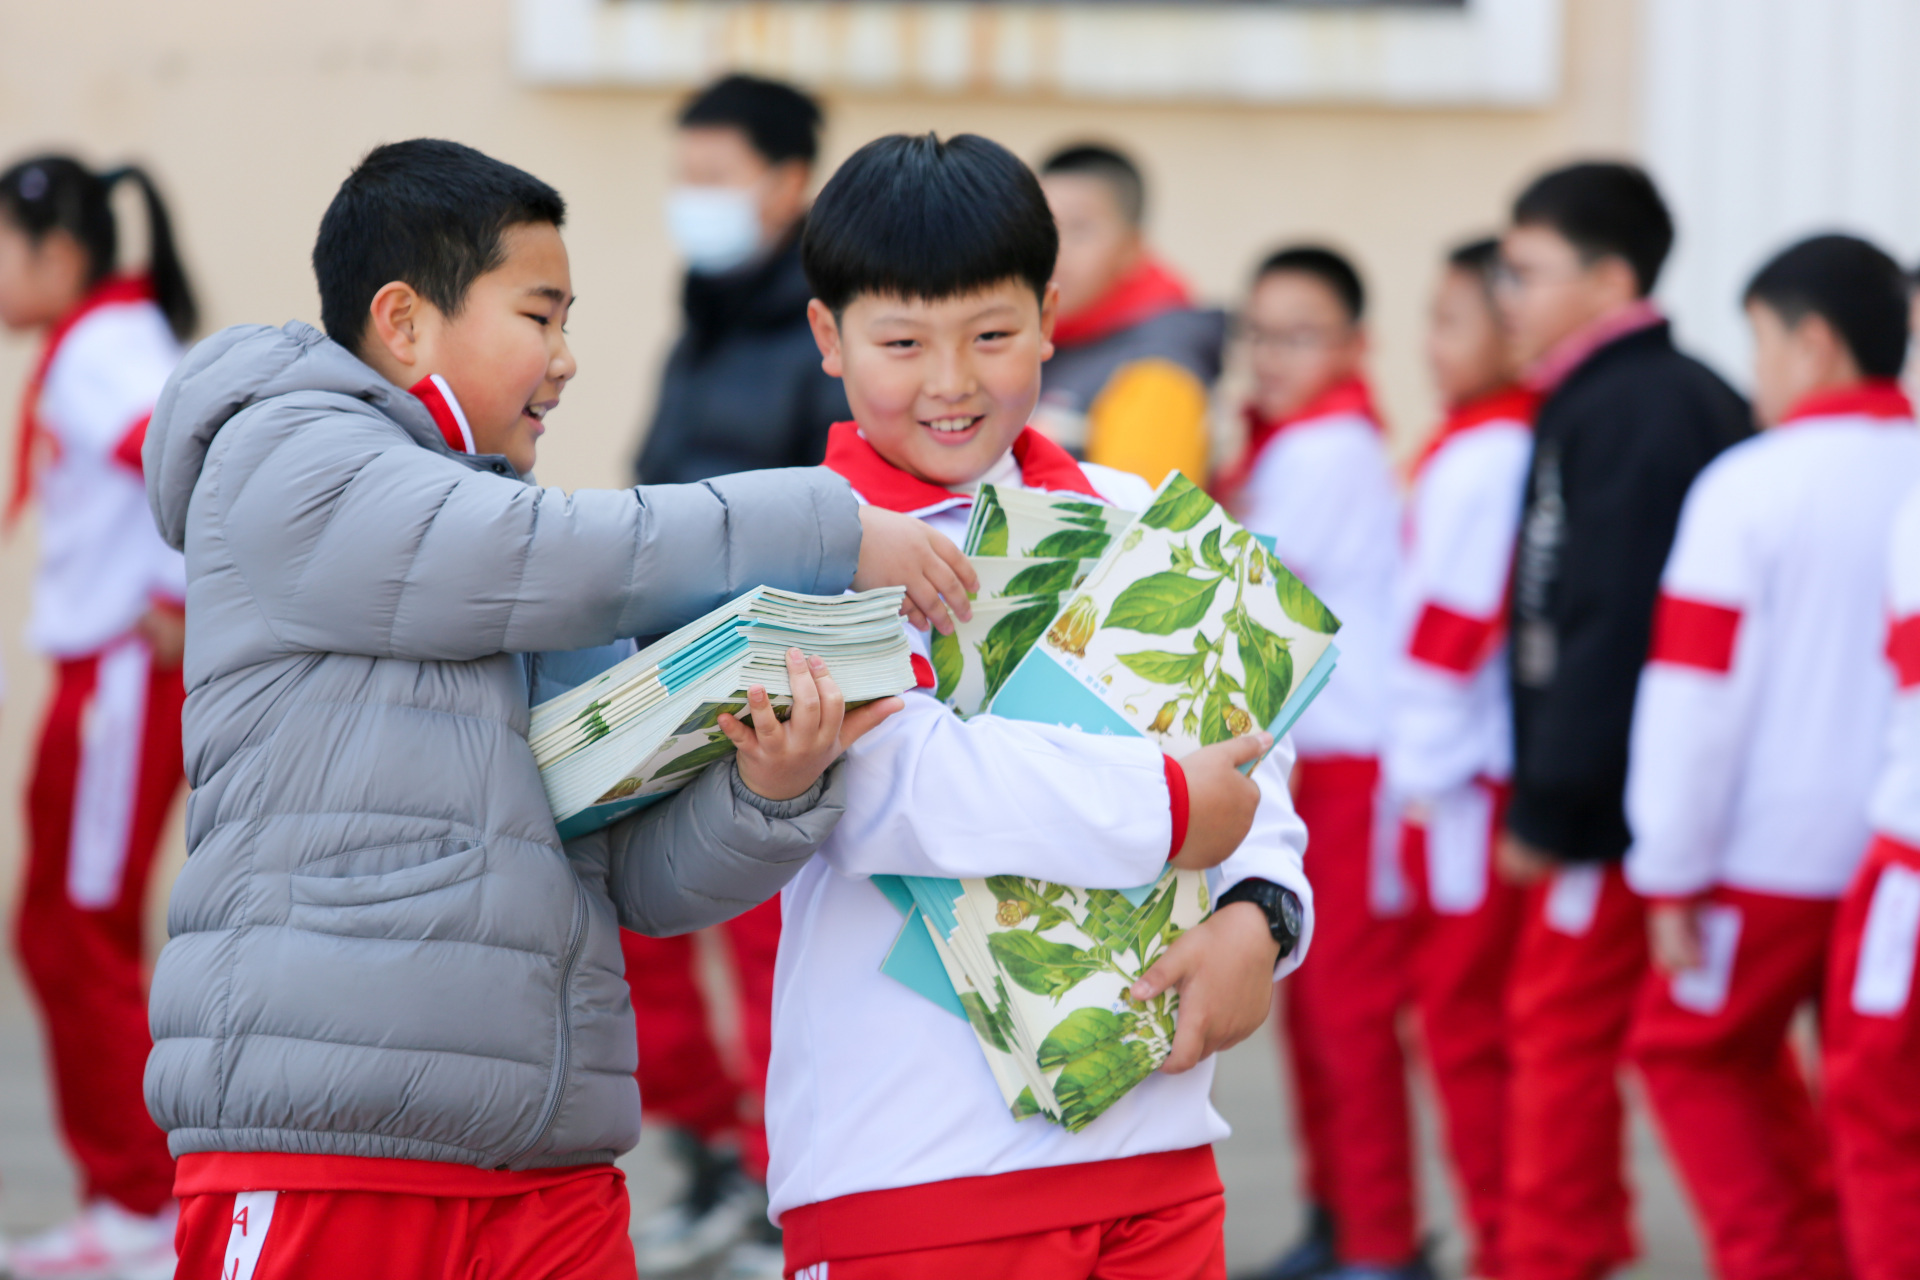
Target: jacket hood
[(240, 367)]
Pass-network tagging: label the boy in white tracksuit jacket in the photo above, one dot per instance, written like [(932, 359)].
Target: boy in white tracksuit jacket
[(1755, 741)]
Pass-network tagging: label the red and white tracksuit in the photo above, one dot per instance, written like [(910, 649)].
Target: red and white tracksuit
[(1755, 742), (1320, 484), (1872, 1020), (1448, 758), (109, 759)]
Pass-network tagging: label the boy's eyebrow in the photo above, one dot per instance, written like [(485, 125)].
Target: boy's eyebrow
[(553, 294)]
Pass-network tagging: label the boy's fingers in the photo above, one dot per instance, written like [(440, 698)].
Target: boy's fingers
[(861, 719), (914, 614), (950, 584), (1189, 1045), (803, 717), (766, 725), (957, 561), (1249, 747), (738, 734), (928, 602), (833, 703), (1170, 970)]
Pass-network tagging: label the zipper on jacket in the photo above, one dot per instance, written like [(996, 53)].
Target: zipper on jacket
[(564, 1050)]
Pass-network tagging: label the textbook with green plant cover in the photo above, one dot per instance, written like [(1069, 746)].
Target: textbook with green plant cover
[(1187, 630), (643, 729)]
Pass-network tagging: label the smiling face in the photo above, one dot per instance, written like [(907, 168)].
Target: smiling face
[(504, 354), (940, 389)]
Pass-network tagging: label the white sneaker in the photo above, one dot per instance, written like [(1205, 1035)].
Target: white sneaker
[(754, 1260), (105, 1242)]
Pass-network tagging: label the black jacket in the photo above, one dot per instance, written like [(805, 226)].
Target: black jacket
[(1615, 447), (743, 387)]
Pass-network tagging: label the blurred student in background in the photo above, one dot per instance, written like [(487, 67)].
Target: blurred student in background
[(1134, 359), (108, 609), (743, 387), (742, 390), (1872, 1018), (1315, 477), (1755, 741), (1624, 425), (1450, 747)]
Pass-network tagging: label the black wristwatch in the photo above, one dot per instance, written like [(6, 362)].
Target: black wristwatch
[(1281, 905)]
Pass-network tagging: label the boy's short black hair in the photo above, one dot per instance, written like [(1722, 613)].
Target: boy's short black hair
[(1328, 266), (918, 218), (781, 121), (1603, 209), (1110, 166), (1479, 257), (1851, 285), (427, 212)]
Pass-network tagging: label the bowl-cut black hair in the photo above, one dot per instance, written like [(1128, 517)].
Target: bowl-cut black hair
[(920, 218), (1329, 266), (1603, 209), (427, 212), (1849, 283)]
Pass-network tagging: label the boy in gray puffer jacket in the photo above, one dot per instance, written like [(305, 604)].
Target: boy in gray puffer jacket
[(391, 1035)]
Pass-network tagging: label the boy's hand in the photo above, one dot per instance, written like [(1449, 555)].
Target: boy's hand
[(165, 631), (1220, 800), (899, 551), (1223, 970), (1520, 863), (1673, 935), (780, 760)]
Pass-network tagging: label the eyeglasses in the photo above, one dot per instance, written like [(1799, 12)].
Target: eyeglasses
[(1301, 339), (1508, 278)]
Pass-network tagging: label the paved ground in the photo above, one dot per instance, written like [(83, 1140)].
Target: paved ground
[(1257, 1162)]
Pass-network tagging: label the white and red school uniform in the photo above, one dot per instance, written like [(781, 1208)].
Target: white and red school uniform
[(1756, 739), (889, 1135), (1872, 1019), (1448, 759), (109, 757), (1321, 485)]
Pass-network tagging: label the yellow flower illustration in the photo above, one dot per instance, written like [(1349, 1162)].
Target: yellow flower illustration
[(1072, 629)]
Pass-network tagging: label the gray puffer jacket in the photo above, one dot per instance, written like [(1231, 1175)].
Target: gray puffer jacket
[(380, 946)]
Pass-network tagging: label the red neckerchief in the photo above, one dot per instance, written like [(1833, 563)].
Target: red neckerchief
[(1148, 290), (1578, 347), (1509, 404), (113, 291), (1043, 465), (434, 392), (1349, 397), (1879, 398)]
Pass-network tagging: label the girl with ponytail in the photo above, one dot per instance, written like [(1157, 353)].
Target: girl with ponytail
[(108, 610)]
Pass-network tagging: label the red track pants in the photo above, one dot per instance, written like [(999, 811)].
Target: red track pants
[(1576, 978), (574, 1231), (1462, 960), (1730, 1098), (1342, 1033), (1873, 1063), (684, 1081), (109, 765)]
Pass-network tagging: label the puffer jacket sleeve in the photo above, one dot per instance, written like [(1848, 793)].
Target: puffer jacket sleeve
[(712, 851), (389, 550)]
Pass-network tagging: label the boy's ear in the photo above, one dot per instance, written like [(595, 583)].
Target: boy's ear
[(826, 336), (1049, 315), (394, 323)]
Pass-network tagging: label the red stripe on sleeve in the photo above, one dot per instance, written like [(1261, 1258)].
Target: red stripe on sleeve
[(1693, 633), (1451, 641), (923, 677), (1178, 802), (127, 452), (1903, 647)]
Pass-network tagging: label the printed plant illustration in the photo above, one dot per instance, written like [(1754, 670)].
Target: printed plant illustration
[(1236, 668), (1048, 940)]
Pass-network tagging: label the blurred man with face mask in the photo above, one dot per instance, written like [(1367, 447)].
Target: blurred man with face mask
[(743, 388), (1134, 360)]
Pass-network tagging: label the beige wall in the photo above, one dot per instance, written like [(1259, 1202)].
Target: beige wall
[(250, 113)]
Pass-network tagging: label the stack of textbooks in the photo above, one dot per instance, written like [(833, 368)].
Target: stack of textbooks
[(645, 728), (1179, 626)]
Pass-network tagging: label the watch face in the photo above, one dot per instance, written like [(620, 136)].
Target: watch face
[(1290, 913)]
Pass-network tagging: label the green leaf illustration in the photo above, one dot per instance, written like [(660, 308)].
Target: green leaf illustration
[(1299, 603), (1042, 966), (1210, 551), (1163, 603), (982, 1019), (1157, 914), (592, 722), (1078, 1033), (1164, 668), (1009, 639), (1110, 918), (1268, 663), (1213, 718), (1024, 1106), (949, 664), (1180, 558), (1088, 1085), (1240, 538), (708, 716), (1072, 544), (992, 538), (1050, 579), (716, 747), (1181, 507)]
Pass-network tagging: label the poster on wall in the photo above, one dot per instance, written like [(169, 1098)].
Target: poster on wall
[(1491, 53)]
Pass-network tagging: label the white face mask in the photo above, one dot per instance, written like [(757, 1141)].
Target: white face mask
[(715, 228)]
